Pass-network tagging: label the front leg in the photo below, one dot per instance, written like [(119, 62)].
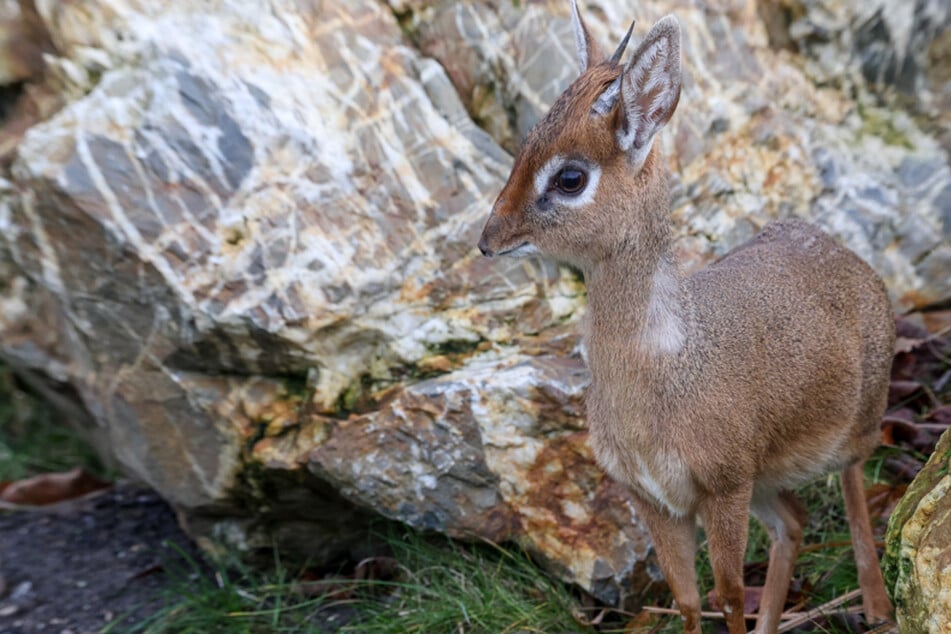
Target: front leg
[(726, 520), (675, 540)]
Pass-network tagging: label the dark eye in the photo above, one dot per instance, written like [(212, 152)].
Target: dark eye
[(570, 180)]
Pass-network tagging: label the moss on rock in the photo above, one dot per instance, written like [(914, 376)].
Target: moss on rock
[(917, 562)]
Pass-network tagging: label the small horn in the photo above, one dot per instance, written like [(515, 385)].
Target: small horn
[(623, 45), (607, 99), (582, 39)]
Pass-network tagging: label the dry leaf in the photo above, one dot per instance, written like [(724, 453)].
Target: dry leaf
[(940, 415), (905, 467), (901, 390), (49, 488), (898, 430), (642, 621), (377, 568), (907, 344), (752, 595), (578, 614), (882, 498)]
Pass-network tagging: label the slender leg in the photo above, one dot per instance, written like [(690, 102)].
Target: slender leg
[(675, 540), (874, 597), (726, 520), (784, 517)]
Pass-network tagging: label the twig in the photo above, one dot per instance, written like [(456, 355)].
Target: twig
[(805, 617), (937, 427), (789, 616), (707, 615), (792, 620), (808, 548)]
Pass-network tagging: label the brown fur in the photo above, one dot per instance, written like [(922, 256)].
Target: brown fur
[(714, 391)]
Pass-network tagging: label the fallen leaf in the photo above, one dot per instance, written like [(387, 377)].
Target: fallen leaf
[(49, 488), (906, 328), (145, 572), (904, 414), (888, 438), (907, 344), (342, 587), (940, 415), (642, 621), (881, 499), (904, 367), (898, 430), (752, 595), (905, 467), (578, 614), (901, 390), (936, 321), (377, 569)]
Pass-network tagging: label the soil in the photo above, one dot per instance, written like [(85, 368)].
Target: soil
[(77, 566)]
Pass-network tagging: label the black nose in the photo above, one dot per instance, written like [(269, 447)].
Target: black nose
[(484, 248)]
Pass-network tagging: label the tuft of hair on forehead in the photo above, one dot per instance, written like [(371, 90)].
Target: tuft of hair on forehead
[(571, 111)]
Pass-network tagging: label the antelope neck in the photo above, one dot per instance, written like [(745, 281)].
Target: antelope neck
[(638, 298)]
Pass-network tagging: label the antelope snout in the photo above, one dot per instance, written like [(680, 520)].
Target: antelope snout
[(485, 241)]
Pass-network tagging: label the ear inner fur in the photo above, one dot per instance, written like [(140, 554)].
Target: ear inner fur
[(650, 89)]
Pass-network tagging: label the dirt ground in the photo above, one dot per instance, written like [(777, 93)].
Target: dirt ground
[(79, 565)]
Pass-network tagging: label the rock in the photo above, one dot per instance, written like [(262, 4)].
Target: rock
[(873, 49), (887, 41), (917, 560), (242, 255), (495, 449), (22, 42), (263, 282), (25, 98)]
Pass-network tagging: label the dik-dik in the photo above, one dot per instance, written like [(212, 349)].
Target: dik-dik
[(712, 394)]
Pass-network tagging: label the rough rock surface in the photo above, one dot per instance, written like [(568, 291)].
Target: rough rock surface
[(917, 559), (242, 252), (22, 42)]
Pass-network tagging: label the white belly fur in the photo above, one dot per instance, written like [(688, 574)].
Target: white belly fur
[(660, 475)]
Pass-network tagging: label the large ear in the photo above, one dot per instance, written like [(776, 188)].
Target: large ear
[(589, 53), (650, 89)]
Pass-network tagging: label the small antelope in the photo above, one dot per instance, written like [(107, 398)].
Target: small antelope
[(712, 394)]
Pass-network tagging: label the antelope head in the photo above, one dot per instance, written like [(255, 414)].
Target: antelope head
[(588, 165)]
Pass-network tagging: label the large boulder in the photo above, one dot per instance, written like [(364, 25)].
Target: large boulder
[(242, 254), (22, 42), (917, 559)]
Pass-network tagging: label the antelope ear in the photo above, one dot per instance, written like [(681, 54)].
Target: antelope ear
[(650, 89), (588, 51)]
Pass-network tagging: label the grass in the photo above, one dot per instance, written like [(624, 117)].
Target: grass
[(33, 438), (231, 598), (433, 585), (448, 587)]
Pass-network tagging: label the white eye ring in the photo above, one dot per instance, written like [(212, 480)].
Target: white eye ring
[(545, 179), (544, 175)]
